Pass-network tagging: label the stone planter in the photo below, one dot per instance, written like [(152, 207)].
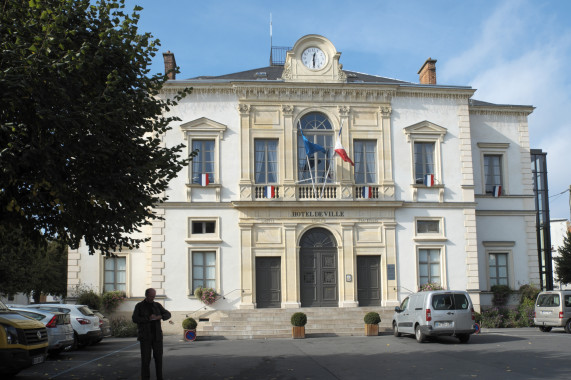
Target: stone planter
[(298, 332), (371, 330)]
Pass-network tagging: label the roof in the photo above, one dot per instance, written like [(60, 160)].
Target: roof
[(479, 103), (275, 73)]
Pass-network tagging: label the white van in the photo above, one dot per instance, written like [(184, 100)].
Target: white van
[(553, 309), (435, 313)]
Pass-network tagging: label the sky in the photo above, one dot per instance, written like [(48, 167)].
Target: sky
[(510, 51)]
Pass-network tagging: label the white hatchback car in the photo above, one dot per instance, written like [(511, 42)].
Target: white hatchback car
[(58, 325), (85, 324)]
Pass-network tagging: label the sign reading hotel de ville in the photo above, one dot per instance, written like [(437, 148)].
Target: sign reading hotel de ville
[(318, 214)]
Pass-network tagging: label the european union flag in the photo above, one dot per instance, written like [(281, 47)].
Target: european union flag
[(311, 148)]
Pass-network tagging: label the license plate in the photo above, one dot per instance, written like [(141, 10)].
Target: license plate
[(442, 324), (545, 312), (37, 360)]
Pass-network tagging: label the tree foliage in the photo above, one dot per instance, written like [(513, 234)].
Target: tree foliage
[(81, 123), (31, 267), (563, 261)]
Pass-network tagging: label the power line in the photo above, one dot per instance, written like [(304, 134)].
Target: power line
[(561, 193)]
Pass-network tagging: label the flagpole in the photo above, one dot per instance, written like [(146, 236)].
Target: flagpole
[(325, 179)]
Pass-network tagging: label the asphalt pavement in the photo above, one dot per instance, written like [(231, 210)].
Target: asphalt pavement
[(495, 353)]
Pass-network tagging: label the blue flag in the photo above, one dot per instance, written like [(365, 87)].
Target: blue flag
[(311, 148)]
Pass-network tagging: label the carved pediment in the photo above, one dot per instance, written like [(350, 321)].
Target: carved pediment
[(203, 127), (425, 129)]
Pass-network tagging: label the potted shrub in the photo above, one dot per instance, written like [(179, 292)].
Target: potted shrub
[(189, 326), (372, 320), (298, 321)]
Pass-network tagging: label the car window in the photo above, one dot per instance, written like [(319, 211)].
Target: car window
[(567, 301), (442, 301), (461, 302), (548, 300), (404, 304), (36, 316), (85, 311)]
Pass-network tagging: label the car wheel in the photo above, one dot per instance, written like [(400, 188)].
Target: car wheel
[(568, 327), (544, 328), (464, 338), (396, 330), (420, 337)]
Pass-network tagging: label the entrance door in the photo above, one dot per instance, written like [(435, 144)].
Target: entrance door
[(369, 280), (318, 269), (268, 282)]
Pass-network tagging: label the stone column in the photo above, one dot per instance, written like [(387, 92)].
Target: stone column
[(289, 157), (344, 170), (386, 154), (247, 270), (347, 265), (157, 253), (246, 192), (390, 290), (291, 278)]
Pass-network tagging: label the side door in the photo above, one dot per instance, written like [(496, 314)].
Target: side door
[(442, 311), (463, 309), (403, 319)]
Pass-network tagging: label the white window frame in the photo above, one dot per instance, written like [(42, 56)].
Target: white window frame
[(216, 250), (206, 237), (127, 272), (494, 149), (440, 236), (442, 248), (426, 132), (506, 247), (278, 156), (376, 161)]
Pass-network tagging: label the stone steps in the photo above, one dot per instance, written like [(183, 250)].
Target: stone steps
[(275, 323)]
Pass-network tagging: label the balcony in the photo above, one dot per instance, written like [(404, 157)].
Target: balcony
[(327, 192)]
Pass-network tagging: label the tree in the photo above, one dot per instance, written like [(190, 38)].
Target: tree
[(81, 154), (29, 267), (563, 267)]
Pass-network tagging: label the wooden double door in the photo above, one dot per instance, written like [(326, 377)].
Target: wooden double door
[(319, 285)]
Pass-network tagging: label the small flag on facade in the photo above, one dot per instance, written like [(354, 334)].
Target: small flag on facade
[(204, 180), (340, 150), (367, 192), (270, 192), (429, 180), (497, 191)]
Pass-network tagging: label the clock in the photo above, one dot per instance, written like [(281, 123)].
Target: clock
[(313, 58)]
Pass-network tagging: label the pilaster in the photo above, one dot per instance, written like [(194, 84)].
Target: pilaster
[(246, 266), (290, 282)]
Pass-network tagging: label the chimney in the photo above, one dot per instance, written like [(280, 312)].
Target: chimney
[(427, 73), (170, 65)]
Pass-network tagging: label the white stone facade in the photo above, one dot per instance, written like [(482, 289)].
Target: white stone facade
[(468, 225)]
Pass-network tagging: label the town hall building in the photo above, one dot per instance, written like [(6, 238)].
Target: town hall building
[(436, 187)]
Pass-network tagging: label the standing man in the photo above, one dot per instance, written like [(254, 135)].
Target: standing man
[(148, 315)]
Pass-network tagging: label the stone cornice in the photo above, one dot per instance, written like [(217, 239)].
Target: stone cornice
[(292, 91), (501, 110)]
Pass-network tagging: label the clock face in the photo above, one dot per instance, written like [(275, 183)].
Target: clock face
[(313, 58)]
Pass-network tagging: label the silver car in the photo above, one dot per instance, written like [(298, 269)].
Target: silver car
[(58, 325), (553, 309)]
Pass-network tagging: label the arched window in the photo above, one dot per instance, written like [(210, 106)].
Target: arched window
[(319, 166)]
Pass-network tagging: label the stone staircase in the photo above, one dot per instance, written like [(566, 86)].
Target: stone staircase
[(275, 323)]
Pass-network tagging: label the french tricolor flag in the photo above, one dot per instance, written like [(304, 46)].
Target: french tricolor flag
[(429, 180), (497, 191), (367, 192), (340, 150), (204, 179), (270, 192)]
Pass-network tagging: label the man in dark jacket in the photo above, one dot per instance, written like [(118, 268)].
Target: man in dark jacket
[(148, 315)]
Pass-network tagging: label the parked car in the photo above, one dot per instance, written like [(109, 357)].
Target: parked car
[(85, 324), (435, 313), (553, 309), (23, 342), (58, 325), (104, 325)]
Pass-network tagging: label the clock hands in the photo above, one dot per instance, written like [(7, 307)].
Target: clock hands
[(314, 59)]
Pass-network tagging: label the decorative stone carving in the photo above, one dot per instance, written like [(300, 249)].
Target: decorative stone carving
[(346, 192), (245, 192), (289, 192), (385, 111), (287, 109), (244, 108), (287, 74), (344, 110), (342, 77)]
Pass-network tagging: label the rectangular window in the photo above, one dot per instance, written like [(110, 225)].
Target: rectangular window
[(203, 270), (115, 274), (423, 160), (427, 226), (203, 227), (492, 171), (203, 163), (498, 265), (365, 161), (429, 266), (266, 161)]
